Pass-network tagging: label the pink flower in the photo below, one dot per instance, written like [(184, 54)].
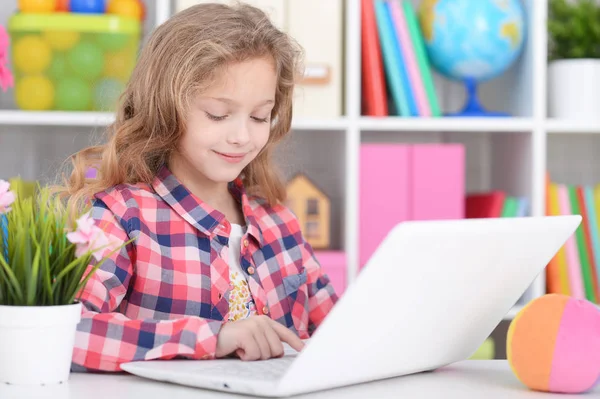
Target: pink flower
[(89, 238), (7, 197), (6, 78)]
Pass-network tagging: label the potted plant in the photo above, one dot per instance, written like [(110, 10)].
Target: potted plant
[(574, 59), (44, 259)]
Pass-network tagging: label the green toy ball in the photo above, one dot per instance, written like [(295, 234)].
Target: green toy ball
[(58, 67), (73, 94), (106, 94), (86, 60), (112, 41)]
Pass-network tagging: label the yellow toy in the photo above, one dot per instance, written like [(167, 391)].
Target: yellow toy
[(126, 8), (37, 6)]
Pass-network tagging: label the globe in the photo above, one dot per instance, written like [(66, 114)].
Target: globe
[(472, 41)]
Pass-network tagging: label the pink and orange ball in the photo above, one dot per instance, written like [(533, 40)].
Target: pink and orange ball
[(553, 344)]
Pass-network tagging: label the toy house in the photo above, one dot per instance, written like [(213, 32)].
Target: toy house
[(312, 208)]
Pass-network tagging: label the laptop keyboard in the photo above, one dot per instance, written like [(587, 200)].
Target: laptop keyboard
[(261, 369)]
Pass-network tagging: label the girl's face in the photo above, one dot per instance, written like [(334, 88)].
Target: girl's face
[(229, 124)]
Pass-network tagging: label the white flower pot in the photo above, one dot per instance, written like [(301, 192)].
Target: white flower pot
[(36, 343), (574, 89)]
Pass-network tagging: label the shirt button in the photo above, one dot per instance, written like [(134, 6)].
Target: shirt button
[(265, 310), (251, 270), (246, 242)]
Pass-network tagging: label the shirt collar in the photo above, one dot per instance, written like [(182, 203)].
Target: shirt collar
[(198, 213)]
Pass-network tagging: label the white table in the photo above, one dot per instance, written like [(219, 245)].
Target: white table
[(488, 379)]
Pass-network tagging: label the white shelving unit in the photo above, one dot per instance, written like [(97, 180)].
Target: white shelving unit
[(503, 153), (557, 126), (54, 118), (521, 92), (101, 119), (475, 125)]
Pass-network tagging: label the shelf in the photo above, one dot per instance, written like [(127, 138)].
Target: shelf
[(320, 124), (54, 118), (566, 126), (62, 118), (449, 124), (508, 125)]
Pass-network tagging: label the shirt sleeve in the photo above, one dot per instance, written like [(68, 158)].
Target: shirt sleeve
[(321, 294), (105, 338)]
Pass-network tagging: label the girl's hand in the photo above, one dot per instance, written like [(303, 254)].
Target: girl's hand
[(254, 338)]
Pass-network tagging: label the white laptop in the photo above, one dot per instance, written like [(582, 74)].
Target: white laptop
[(429, 296)]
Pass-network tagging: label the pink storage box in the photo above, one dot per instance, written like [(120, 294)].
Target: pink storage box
[(334, 265)]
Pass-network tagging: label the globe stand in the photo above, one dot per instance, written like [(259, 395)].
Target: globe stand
[(473, 107)]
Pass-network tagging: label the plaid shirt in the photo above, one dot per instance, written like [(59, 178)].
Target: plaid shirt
[(166, 294)]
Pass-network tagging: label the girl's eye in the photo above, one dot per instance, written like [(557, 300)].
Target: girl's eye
[(260, 120), (215, 117)]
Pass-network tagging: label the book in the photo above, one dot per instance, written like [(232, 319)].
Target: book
[(391, 62), (557, 278), (587, 239), (438, 181), (400, 55), (384, 183), (584, 261), (374, 96), (415, 81), (485, 205), (573, 263), (422, 59)]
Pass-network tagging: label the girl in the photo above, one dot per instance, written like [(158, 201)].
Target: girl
[(218, 266)]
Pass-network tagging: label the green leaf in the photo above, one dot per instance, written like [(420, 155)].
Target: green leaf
[(573, 29), (75, 283), (13, 286), (32, 286), (41, 267)]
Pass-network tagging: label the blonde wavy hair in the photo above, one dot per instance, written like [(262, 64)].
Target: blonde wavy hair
[(180, 60)]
